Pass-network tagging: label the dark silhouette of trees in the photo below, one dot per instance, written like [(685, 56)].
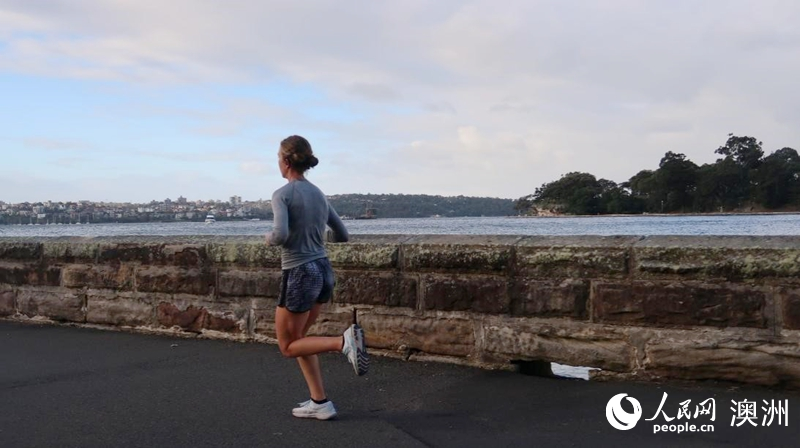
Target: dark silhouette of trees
[(420, 205), (742, 179), (775, 181)]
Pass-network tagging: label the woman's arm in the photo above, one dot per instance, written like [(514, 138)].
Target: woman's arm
[(340, 234), (280, 227)]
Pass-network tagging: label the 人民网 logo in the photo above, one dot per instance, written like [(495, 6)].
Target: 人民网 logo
[(617, 416)]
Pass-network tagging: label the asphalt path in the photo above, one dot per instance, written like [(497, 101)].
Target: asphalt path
[(64, 386)]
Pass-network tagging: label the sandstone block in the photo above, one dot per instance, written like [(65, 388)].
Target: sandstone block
[(567, 298), (20, 250), (186, 255), (705, 358), (227, 318), (366, 252), (28, 274), (17, 274), (573, 257), (118, 308), (411, 333), (571, 344), (119, 277), (226, 322), (243, 283), (139, 252), (189, 319), (790, 308), (70, 250), (58, 304), (376, 288), (463, 253), (248, 252), (175, 280), (8, 300), (49, 276), (478, 293), (717, 257), (687, 303)]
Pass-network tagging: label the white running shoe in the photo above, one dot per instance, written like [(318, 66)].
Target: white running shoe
[(309, 409), (356, 349)]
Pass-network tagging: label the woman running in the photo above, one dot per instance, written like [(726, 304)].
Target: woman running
[(301, 215)]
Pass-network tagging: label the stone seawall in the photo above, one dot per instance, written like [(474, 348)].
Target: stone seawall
[(722, 308)]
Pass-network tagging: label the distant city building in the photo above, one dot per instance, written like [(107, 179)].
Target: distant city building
[(87, 211)]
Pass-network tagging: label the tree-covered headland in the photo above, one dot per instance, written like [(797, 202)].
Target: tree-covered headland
[(743, 179)]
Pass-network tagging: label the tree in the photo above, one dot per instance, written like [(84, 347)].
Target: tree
[(676, 179), (720, 186), (741, 177), (524, 205), (575, 193), (745, 151), (731, 182), (644, 188), (617, 199), (777, 179)]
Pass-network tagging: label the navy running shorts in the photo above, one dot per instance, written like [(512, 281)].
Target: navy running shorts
[(305, 285)]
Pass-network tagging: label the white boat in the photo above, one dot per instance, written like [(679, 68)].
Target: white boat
[(210, 219)]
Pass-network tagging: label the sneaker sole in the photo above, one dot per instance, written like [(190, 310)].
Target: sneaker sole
[(362, 364), (316, 416), (353, 347)]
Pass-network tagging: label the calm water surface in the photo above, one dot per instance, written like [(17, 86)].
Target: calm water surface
[(785, 224)]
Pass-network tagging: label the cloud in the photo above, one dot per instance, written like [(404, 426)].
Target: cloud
[(448, 96), (511, 107), (52, 144), (504, 161), (373, 92), (96, 187), (195, 156), (256, 167), (440, 107), (69, 162)]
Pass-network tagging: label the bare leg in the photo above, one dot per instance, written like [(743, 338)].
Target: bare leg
[(291, 329), (309, 364)]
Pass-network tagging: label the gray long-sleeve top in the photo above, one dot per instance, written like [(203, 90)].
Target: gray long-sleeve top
[(301, 213)]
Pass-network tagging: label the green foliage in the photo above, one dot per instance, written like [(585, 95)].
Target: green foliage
[(741, 179), (745, 151), (524, 205), (776, 179), (575, 193), (676, 182), (580, 194), (419, 205)]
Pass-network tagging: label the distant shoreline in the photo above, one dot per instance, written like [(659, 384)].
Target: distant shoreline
[(658, 215), (269, 220)]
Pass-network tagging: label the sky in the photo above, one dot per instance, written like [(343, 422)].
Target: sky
[(136, 100)]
